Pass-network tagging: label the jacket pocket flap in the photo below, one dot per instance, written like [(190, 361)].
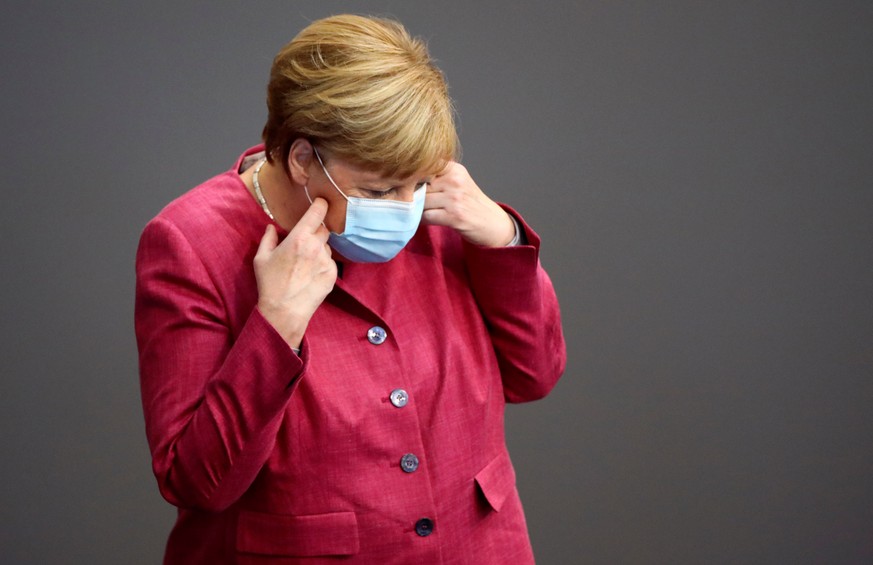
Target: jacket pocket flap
[(497, 480), (304, 536)]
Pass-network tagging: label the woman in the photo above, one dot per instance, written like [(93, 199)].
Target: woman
[(322, 378)]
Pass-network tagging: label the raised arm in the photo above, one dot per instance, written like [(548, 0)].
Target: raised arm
[(514, 293), (213, 401)]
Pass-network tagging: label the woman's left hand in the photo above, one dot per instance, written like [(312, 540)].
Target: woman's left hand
[(456, 201)]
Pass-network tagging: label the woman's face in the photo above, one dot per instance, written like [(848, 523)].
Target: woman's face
[(355, 181)]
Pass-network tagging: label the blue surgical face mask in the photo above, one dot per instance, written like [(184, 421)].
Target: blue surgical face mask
[(376, 230)]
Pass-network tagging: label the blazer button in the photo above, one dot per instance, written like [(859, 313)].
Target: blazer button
[(409, 463), (399, 398), (424, 527), (376, 335)]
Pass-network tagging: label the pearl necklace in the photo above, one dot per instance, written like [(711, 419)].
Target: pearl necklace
[(258, 194)]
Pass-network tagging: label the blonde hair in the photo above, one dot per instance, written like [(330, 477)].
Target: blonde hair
[(364, 89)]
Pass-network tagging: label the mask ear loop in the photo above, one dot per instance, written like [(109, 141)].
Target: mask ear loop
[(330, 178), (306, 187), (306, 190)]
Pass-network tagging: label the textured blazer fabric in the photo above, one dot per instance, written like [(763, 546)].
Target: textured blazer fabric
[(383, 442)]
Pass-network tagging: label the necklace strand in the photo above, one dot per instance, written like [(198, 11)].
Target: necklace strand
[(258, 194)]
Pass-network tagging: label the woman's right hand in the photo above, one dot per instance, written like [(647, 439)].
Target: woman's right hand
[(295, 276)]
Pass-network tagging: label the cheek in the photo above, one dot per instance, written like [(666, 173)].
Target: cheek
[(335, 220)]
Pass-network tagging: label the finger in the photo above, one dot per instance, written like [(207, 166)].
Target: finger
[(449, 166), (436, 217), (314, 215), (322, 233), (435, 200), (268, 241), (447, 180)]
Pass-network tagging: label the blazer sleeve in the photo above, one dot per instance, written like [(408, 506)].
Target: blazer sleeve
[(212, 404), (521, 311)]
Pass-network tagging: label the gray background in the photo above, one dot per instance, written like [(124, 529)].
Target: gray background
[(700, 173)]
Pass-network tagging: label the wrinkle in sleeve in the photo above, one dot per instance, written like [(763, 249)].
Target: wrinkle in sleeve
[(521, 311), (212, 404)]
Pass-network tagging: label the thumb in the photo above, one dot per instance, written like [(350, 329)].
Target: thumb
[(313, 217), (269, 241)]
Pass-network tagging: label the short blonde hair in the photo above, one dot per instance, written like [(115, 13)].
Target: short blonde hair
[(364, 89)]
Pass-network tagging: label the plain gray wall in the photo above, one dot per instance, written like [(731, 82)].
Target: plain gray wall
[(701, 174)]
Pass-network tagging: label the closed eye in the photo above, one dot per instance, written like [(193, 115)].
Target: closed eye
[(379, 194), (382, 194)]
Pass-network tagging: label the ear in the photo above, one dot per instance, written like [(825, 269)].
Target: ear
[(300, 157)]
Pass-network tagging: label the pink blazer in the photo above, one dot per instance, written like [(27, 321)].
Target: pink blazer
[(384, 441)]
